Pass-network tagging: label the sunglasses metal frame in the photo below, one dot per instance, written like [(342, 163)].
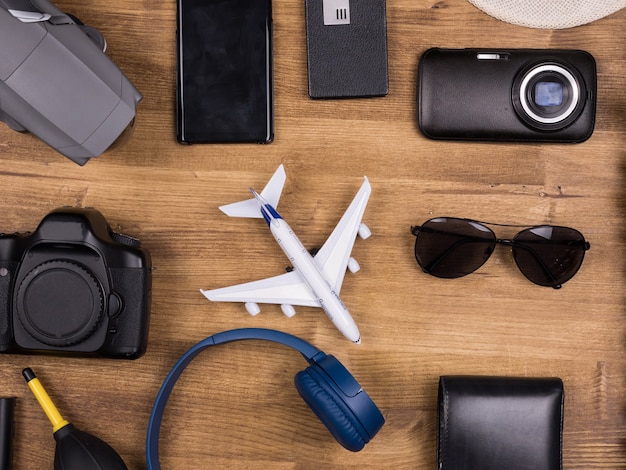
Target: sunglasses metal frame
[(514, 243)]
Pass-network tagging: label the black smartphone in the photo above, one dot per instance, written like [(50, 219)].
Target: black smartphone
[(224, 75), (537, 95)]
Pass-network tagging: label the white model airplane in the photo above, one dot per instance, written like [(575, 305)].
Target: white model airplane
[(315, 280)]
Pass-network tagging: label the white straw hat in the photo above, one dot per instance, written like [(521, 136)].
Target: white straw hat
[(549, 14)]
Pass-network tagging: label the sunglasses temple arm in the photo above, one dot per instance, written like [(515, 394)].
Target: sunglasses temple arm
[(432, 266), (540, 262)]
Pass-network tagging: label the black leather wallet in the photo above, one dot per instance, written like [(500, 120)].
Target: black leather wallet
[(499, 423)]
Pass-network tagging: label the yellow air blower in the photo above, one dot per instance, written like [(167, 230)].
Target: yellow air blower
[(75, 450)]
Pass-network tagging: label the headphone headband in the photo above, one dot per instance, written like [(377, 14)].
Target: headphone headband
[(306, 349), (310, 353)]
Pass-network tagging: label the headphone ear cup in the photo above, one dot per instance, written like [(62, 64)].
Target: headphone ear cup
[(330, 409)]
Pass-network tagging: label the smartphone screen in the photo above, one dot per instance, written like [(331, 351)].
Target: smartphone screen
[(224, 75)]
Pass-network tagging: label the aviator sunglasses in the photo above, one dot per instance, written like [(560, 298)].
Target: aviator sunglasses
[(450, 247)]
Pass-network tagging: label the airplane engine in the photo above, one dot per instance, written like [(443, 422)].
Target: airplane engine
[(288, 310), (253, 308), (353, 265), (364, 231)]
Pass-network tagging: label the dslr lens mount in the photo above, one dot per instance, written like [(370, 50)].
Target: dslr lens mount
[(60, 303), (548, 96)]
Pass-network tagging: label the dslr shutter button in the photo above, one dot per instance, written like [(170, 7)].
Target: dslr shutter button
[(115, 305)]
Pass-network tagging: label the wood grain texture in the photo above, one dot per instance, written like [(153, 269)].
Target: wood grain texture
[(236, 407)]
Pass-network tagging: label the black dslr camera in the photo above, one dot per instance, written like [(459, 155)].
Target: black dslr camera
[(74, 286), (537, 95)]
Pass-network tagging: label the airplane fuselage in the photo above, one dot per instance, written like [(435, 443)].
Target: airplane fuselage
[(305, 265)]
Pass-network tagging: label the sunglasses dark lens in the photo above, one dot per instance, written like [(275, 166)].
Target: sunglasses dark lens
[(549, 256), (448, 247)]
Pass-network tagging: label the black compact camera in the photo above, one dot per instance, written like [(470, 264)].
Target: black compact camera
[(537, 95), (74, 286)]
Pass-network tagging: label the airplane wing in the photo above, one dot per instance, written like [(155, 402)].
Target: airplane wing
[(333, 257), (288, 288), (250, 208)]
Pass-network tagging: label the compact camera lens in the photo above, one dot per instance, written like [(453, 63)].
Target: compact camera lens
[(60, 303), (549, 96)]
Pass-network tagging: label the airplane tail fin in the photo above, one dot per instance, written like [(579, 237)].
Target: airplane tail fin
[(249, 207)]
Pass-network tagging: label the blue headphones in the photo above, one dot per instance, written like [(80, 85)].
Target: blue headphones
[(325, 385)]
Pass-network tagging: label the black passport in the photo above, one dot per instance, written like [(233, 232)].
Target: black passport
[(347, 48)]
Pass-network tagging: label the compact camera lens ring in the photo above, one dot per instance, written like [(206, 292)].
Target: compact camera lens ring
[(530, 105), (60, 303), (548, 96)]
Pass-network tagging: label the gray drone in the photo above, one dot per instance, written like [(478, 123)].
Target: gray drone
[(57, 83)]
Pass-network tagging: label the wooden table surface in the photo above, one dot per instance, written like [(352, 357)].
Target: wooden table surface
[(236, 406)]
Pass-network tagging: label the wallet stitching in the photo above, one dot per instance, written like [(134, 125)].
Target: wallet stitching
[(445, 434), (561, 431)]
